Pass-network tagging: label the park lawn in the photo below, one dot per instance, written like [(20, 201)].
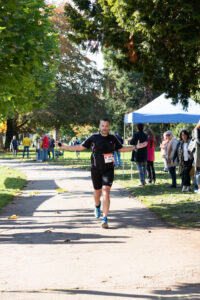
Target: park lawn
[(11, 181), (8, 155)]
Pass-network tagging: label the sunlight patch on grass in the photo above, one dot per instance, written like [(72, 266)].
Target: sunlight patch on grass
[(11, 181)]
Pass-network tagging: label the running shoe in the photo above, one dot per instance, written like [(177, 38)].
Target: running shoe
[(104, 223), (97, 211)]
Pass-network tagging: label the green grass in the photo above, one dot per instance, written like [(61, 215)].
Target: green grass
[(8, 155), (11, 181)]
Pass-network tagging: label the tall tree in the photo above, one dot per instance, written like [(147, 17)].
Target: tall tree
[(159, 39), (29, 49), (77, 99)]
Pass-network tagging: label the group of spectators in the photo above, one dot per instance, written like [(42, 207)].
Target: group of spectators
[(44, 147), (184, 153)]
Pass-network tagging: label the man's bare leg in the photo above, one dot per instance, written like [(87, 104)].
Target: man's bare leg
[(106, 199)]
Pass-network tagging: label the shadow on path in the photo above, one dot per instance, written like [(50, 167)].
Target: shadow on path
[(183, 292)]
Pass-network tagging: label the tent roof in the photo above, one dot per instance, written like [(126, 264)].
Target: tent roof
[(161, 110)]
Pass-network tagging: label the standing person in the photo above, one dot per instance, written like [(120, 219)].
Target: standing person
[(117, 154), (45, 147), (51, 147), (77, 142), (26, 143), (103, 145), (140, 156), (163, 149), (39, 150), (171, 163), (194, 147), (151, 157), (14, 146), (185, 159)]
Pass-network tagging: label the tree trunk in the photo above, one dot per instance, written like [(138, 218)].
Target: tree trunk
[(1, 140), (11, 131)]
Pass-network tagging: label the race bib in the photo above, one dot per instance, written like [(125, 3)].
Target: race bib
[(108, 158)]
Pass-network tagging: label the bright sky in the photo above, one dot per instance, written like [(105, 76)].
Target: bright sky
[(98, 58)]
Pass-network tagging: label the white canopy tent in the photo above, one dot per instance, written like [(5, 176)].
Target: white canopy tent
[(161, 110)]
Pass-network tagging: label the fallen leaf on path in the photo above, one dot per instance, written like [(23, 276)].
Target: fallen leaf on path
[(13, 202), (33, 193), (13, 217), (168, 289), (49, 229), (61, 191), (149, 231), (147, 277), (67, 241), (18, 194), (58, 212)]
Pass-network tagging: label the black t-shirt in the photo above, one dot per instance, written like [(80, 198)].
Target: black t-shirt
[(139, 155), (101, 145)]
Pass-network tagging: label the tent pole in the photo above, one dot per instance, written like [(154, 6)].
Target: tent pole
[(131, 161), (124, 144)]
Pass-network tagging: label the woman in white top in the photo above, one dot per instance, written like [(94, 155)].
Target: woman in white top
[(185, 160)]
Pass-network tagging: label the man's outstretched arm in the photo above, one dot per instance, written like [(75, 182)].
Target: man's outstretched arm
[(71, 148)]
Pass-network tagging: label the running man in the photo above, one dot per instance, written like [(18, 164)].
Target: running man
[(103, 145)]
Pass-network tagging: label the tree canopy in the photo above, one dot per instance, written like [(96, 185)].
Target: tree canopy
[(28, 54), (159, 39), (76, 100)]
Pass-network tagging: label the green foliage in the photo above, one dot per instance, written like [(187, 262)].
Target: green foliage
[(176, 128), (28, 52), (77, 99), (158, 39), (124, 91)]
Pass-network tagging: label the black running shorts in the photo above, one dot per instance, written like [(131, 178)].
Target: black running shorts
[(102, 177)]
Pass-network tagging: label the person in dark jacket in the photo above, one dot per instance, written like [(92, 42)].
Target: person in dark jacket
[(14, 146), (140, 155), (51, 147)]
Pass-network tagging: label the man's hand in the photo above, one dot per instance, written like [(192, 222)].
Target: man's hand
[(58, 144), (141, 145)]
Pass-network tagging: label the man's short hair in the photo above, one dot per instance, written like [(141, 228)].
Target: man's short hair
[(105, 120), (140, 126)]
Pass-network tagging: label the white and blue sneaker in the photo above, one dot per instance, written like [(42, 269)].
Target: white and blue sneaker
[(97, 211), (104, 223)]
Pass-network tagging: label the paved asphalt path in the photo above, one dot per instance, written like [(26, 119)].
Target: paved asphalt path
[(56, 249)]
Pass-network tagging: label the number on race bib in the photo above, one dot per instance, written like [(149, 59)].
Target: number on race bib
[(108, 158)]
